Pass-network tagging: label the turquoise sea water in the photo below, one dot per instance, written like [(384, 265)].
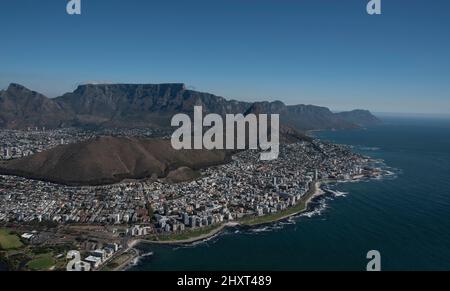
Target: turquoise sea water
[(406, 218)]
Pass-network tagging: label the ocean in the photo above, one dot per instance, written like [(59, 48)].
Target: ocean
[(406, 217)]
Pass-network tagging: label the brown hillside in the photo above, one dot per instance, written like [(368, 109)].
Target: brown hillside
[(106, 160)]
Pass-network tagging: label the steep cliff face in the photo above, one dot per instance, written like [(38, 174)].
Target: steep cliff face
[(139, 105), (109, 101)]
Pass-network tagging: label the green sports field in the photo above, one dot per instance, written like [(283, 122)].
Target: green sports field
[(42, 262), (9, 241)]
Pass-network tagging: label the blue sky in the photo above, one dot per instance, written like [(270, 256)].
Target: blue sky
[(321, 52)]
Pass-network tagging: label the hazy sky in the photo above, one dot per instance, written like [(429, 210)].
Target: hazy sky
[(322, 52)]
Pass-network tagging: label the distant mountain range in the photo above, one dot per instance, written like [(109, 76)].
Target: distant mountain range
[(148, 105)]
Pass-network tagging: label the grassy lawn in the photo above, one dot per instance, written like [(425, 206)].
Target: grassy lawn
[(9, 241), (42, 262), (188, 234), (299, 207)]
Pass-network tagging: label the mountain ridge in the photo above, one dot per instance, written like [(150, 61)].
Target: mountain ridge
[(153, 105)]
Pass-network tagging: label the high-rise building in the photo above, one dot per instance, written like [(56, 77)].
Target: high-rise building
[(6, 154), (185, 218)]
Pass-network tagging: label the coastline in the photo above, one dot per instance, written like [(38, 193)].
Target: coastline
[(194, 239), (301, 206)]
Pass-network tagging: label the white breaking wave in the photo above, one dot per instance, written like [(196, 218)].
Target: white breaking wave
[(336, 193), (369, 148), (317, 211)]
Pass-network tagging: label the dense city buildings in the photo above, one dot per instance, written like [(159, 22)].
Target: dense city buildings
[(244, 187), (97, 216)]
